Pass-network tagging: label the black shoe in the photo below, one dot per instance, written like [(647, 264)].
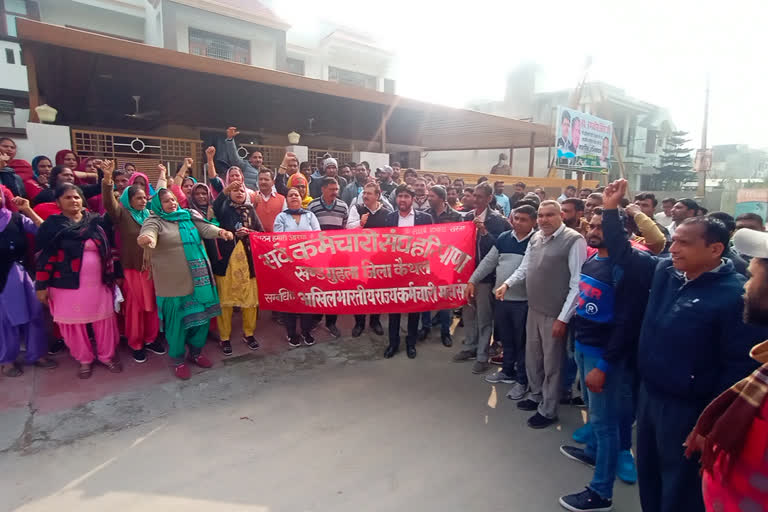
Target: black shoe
[(294, 341), (538, 421), (411, 351), (334, 330), (577, 454), (565, 399), (56, 347), (527, 405), (377, 329), (140, 356), (389, 352), (357, 330), (423, 333), (309, 340), (226, 347), (156, 347), (461, 322), (586, 501), (447, 340), (252, 343), (578, 402)]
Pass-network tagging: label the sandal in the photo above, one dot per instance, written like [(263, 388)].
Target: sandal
[(46, 363), (12, 370), (85, 371), (114, 366)]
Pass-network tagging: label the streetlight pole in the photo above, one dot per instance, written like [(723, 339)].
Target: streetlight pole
[(703, 173)]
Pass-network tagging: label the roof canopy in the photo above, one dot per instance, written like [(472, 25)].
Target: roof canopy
[(90, 79)]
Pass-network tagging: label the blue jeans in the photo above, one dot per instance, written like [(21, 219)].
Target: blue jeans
[(604, 413)]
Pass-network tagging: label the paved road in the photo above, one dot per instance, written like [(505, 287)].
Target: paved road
[(327, 428)]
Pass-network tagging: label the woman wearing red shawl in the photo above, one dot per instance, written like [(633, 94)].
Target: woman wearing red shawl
[(21, 167), (68, 158), (234, 174)]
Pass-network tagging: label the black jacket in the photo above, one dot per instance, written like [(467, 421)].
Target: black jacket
[(421, 219), (378, 219), (229, 219), (496, 224), (449, 215)]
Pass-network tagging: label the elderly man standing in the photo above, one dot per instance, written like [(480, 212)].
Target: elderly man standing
[(478, 314), (551, 269)]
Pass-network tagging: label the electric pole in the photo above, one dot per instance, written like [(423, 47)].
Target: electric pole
[(703, 172)]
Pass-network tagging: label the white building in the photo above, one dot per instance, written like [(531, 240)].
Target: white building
[(244, 31)]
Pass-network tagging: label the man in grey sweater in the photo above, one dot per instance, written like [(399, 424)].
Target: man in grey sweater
[(551, 269), (510, 312)]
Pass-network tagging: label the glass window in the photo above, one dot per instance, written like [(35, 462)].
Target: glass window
[(344, 76), (295, 66), (10, 10), (219, 47)]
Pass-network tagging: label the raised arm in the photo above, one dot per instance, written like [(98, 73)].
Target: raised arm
[(111, 205), (185, 169), (22, 204), (162, 181), (210, 152), (654, 238)]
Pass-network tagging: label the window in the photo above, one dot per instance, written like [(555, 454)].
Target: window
[(343, 76), (389, 86), (10, 58), (295, 66), (650, 141), (219, 47), (12, 9)]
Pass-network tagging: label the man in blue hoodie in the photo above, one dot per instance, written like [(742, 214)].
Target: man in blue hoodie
[(693, 345)]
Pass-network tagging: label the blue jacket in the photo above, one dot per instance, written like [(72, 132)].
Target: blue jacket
[(693, 343)]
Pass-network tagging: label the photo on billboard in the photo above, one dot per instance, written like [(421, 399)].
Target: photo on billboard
[(583, 141)]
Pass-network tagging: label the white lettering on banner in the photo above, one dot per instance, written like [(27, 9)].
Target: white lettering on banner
[(275, 258), (360, 296), (332, 274), (284, 295), (454, 256)]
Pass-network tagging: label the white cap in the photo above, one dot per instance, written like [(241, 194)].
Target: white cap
[(752, 243)]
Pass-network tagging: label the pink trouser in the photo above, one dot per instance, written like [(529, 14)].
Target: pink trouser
[(76, 338)]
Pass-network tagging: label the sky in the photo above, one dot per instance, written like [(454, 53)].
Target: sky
[(453, 52)]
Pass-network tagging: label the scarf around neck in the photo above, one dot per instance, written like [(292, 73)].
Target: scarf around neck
[(138, 215), (721, 431), (203, 288)]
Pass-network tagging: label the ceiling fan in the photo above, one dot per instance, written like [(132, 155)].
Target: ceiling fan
[(138, 114)]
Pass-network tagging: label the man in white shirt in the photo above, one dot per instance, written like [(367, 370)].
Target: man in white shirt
[(551, 268), (664, 217), (405, 216)]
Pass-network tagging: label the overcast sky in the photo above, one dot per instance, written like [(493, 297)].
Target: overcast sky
[(659, 51)]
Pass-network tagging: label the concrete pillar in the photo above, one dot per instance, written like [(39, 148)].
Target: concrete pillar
[(302, 152), (153, 26), (374, 159), (47, 139)]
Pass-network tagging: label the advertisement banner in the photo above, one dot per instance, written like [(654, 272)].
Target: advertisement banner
[(752, 200), (583, 141), (362, 271)]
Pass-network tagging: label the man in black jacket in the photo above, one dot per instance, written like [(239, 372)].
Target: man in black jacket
[(693, 345), (442, 213), (478, 316), (405, 216)]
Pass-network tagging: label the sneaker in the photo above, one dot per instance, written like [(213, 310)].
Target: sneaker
[(582, 435), (578, 402), (538, 421), (498, 359), (357, 330), (334, 330), (577, 454), (308, 339), (140, 356), (464, 355), (182, 371), (500, 376), (226, 347), (586, 501), (56, 347), (528, 405), (251, 342), (294, 341), (480, 367), (626, 470), (517, 392), (156, 347)]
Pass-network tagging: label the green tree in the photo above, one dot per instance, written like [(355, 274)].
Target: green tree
[(676, 164)]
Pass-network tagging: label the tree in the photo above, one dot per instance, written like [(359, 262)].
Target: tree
[(676, 164)]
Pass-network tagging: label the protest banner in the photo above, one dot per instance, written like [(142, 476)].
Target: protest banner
[(362, 271), (583, 141)]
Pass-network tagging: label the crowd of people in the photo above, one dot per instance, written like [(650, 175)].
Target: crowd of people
[(639, 310)]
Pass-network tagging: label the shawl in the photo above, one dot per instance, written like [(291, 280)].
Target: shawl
[(203, 288), (138, 215), (296, 179)]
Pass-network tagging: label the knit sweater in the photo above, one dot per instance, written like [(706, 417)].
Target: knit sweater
[(170, 270), (267, 211), (503, 259)]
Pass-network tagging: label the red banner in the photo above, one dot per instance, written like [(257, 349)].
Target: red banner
[(361, 271)]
